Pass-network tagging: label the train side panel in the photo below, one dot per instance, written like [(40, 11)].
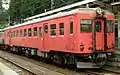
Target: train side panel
[(46, 42)]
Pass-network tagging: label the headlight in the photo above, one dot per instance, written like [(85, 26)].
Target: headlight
[(99, 11)]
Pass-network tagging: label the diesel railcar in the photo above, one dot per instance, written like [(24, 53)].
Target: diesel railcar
[(81, 37)]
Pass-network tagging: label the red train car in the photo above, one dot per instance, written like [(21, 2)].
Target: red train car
[(73, 37)]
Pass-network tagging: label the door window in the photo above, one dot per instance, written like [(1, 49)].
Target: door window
[(98, 26), (71, 27), (40, 31), (46, 29), (109, 26)]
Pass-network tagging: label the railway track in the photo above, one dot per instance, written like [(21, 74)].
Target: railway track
[(18, 69), (33, 69), (39, 68), (102, 72)]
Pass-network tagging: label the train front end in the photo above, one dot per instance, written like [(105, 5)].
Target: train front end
[(97, 40)]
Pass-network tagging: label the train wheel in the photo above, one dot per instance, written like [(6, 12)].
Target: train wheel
[(101, 59), (17, 50), (26, 52)]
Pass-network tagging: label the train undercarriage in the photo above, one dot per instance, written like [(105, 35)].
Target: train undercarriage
[(93, 60)]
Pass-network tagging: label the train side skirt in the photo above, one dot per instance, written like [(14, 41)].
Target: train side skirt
[(87, 65)]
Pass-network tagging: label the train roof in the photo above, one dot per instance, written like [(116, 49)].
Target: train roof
[(60, 14)]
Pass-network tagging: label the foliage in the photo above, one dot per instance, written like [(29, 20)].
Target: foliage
[(4, 16), (21, 9)]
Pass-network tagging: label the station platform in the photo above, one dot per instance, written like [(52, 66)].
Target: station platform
[(4, 70)]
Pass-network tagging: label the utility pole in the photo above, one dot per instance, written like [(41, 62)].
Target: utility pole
[(64, 1), (52, 3)]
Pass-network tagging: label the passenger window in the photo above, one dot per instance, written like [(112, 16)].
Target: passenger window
[(25, 32), (110, 26), (29, 32), (40, 31), (20, 33), (13, 34), (35, 31), (10, 34), (98, 26), (86, 25), (17, 33), (61, 27), (71, 27), (46, 29), (7, 34), (53, 29)]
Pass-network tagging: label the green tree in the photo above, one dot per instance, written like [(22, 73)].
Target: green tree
[(14, 10), (4, 16), (21, 9)]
